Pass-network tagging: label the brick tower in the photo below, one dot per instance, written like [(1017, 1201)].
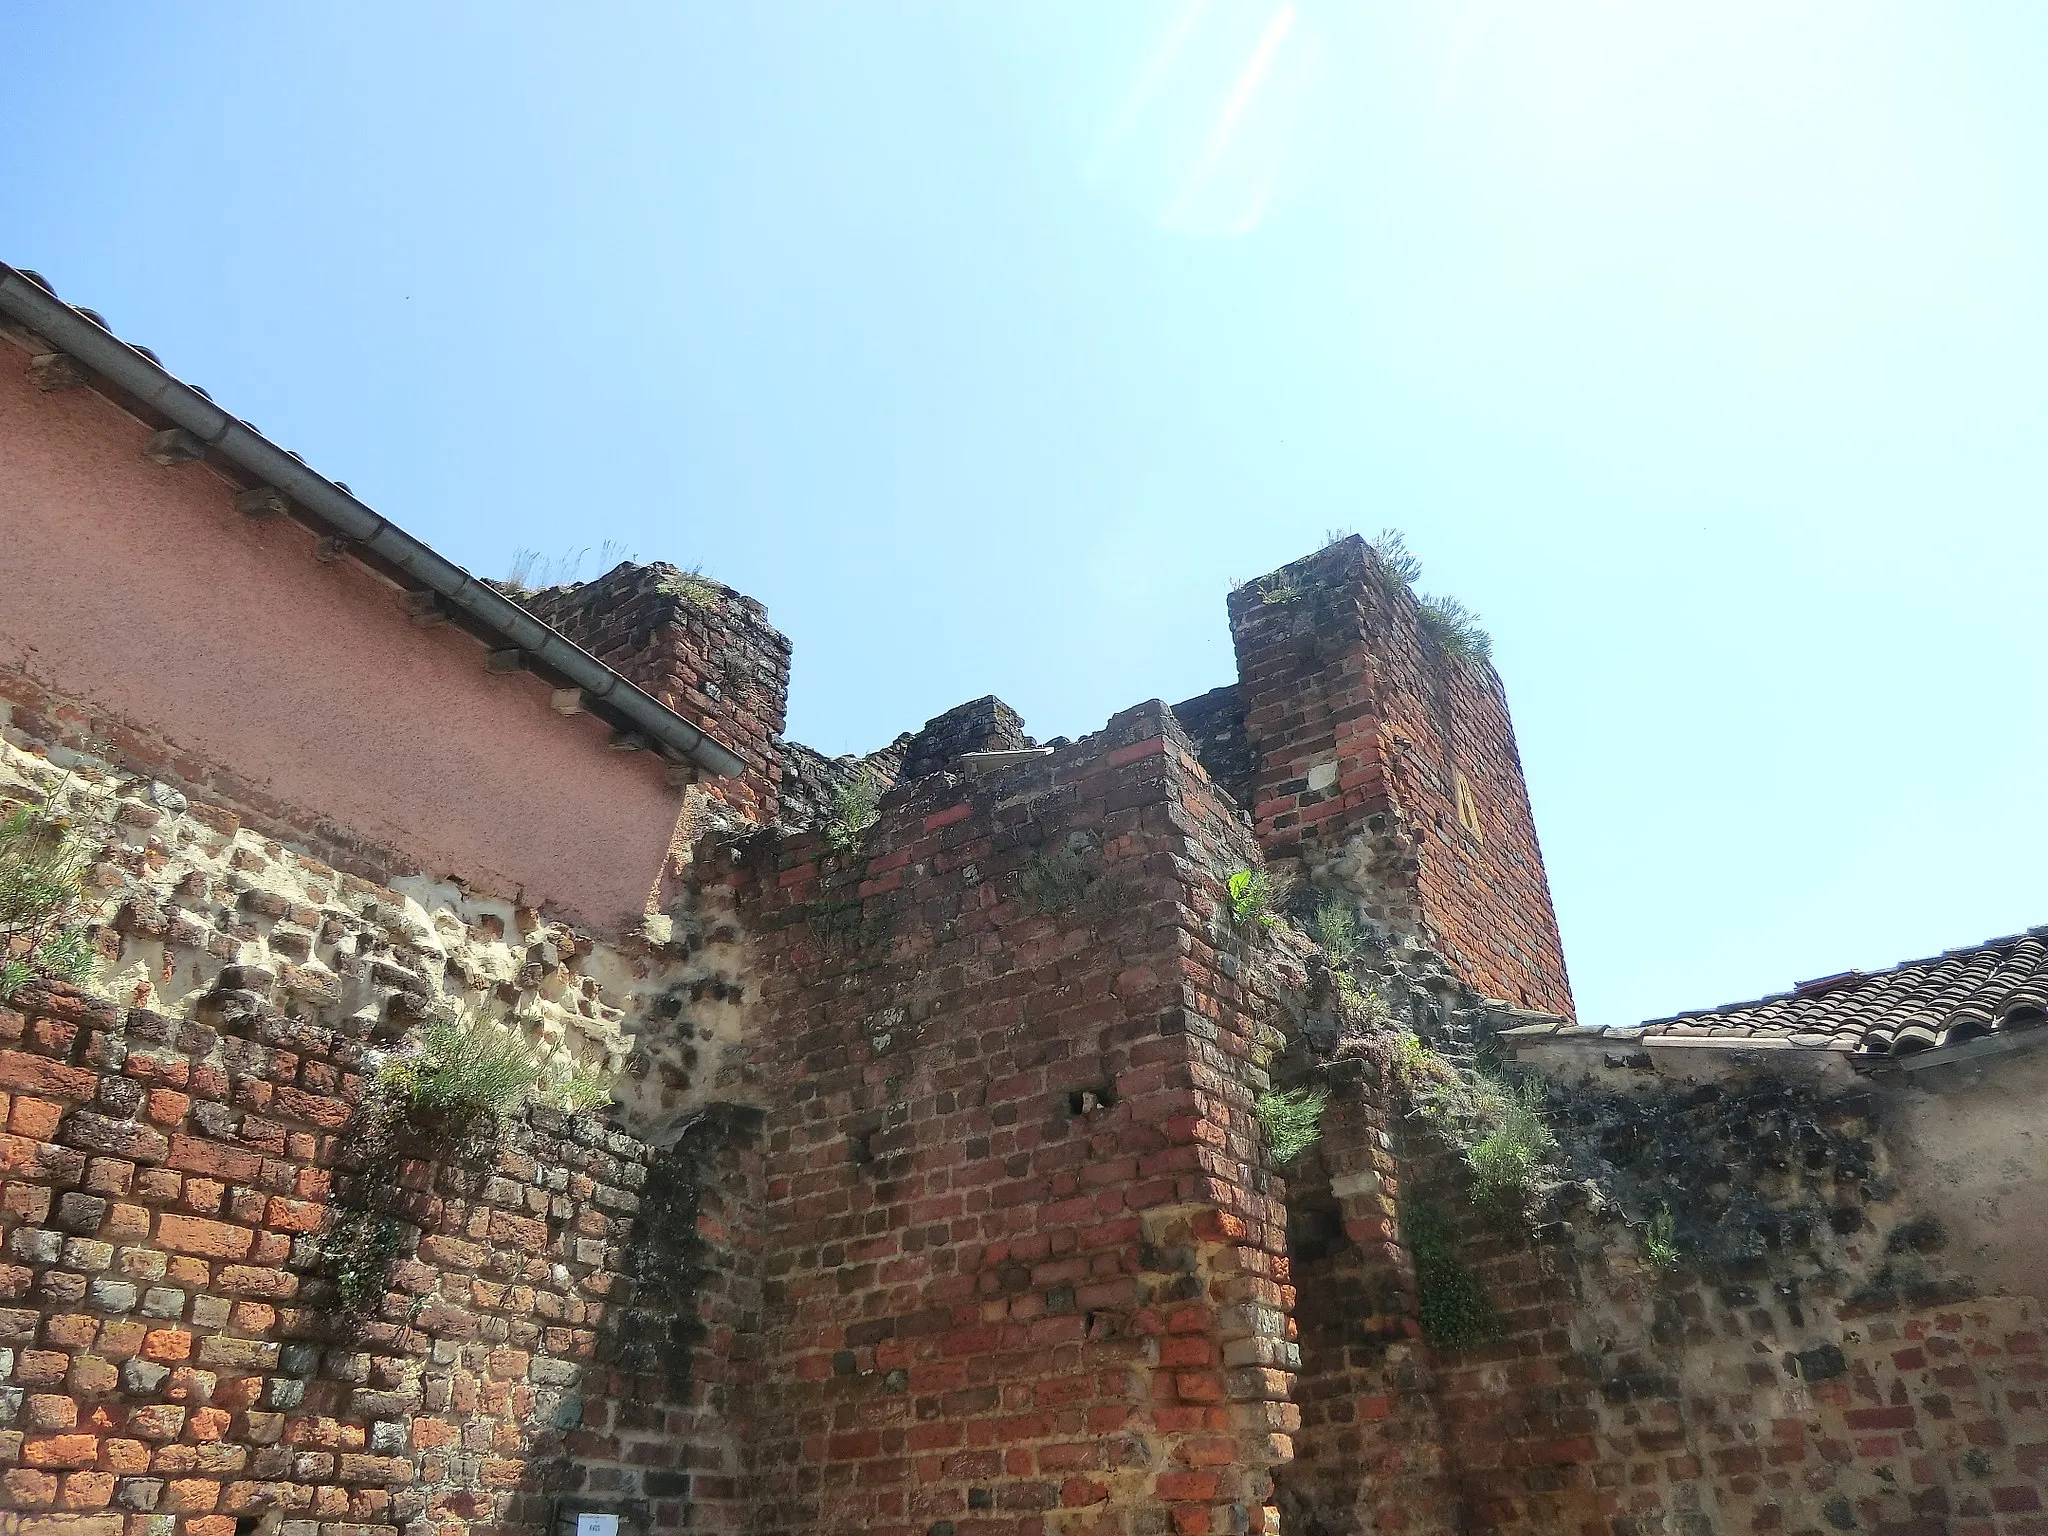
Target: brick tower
[(1386, 766)]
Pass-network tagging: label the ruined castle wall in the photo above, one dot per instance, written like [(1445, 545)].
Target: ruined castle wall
[(184, 1173), (702, 649), (1371, 1453), (1390, 767), (215, 652), (1023, 1257), (1818, 1350), (177, 1360)]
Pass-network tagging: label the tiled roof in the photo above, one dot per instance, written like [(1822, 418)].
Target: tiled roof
[(1946, 999)]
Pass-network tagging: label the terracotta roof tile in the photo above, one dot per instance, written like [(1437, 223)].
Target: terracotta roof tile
[(1960, 994)]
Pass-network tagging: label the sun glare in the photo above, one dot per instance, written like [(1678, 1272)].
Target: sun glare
[(1212, 122)]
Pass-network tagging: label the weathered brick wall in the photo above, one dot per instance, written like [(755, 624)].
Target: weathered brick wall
[(179, 1146), (704, 650), (1023, 1255), (1371, 1453), (175, 1350), (661, 1431), (1369, 738)]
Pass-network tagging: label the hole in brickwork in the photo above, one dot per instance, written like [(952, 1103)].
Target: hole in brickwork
[(247, 1525), (1315, 1226), (1084, 1101)]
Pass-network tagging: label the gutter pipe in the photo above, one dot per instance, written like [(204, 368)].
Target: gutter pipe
[(98, 349)]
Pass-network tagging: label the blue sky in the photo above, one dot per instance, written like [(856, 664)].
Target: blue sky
[(1698, 346)]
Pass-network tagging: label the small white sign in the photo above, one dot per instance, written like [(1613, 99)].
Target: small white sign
[(597, 1525)]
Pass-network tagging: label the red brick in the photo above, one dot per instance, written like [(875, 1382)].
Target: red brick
[(23, 1073), (206, 1239)]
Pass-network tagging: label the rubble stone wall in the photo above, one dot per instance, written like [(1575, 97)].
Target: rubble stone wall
[(1819, 1352)]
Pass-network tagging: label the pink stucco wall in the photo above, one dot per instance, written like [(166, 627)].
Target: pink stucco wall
[(140, 590)]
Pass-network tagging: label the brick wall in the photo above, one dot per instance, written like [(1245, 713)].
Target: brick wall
[(1023, 1255), (702, 649), (1371, 1452), (179, 1150), (177, 1358), (1369, 739)]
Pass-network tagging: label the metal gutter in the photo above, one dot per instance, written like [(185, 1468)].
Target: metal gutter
[(29, 303)]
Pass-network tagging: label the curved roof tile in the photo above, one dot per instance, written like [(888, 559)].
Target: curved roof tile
[(1960, 994)]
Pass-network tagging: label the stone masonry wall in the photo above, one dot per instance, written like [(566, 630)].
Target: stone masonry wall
[(1024, 1262), (181, 1144), (1389, 768), (1815, 1359)]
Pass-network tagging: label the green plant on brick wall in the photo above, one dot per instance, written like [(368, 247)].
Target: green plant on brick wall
[(44, 856), (1272, 592), (856, 806), (1660, 1239), (1455, 629), (583, 1089), (358, 1250), (464, 1072), (1293, 1119), (1506, 1159), (694, 588), (1251, 899), (1391, 548), (1448, 624), (1054, 881), (1455, 1309), (1497, 1126)]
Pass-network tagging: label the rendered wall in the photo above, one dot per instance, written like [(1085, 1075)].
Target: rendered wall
[(215, 652)]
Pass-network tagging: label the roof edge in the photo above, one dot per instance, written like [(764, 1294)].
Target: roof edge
[(34, 306)]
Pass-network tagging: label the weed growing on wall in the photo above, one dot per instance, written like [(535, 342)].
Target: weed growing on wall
[(1293, 1120), (1497, 1126), (1505, 1161), (43, 907), (358, 1250), (1251, 900), (1390, 547), (1365, 1009), (1455, 1309), (1660, 1239), (1455, 629), (1279, 592), (1054, 882), (856, 806), (694, 588), (581, 1090), (1335, 928), (465, 1072), (1452, 627)]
